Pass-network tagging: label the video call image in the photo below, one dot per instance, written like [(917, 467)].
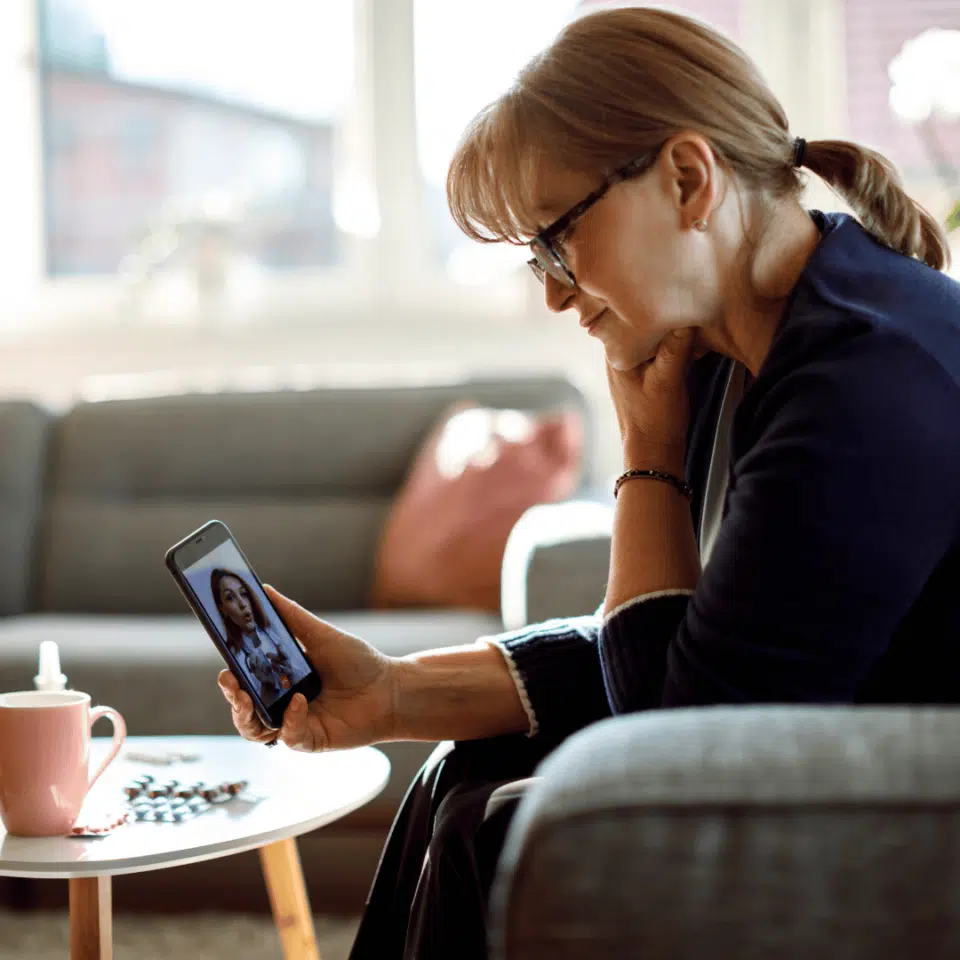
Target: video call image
[(259, 643)]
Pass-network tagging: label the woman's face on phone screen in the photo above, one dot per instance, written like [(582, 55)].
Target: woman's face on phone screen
[(235, 603)]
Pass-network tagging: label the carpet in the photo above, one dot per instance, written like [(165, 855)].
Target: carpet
[(46, 936)]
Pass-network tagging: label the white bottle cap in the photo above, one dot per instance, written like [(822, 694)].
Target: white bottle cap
[(49, 678)]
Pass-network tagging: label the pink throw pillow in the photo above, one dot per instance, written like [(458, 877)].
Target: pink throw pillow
[(478, 472)]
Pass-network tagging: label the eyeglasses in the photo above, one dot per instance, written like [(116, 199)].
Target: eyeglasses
[(547, 257)]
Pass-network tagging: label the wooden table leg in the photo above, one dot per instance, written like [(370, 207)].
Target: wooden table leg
[(91, 918), (288, 897)]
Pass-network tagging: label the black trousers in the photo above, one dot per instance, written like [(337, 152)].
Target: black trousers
[(429, 897)]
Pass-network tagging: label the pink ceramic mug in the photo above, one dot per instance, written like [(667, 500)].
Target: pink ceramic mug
[(45, 759)]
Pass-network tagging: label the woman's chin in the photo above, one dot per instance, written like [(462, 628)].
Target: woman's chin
[(622, 360), (617, 356)]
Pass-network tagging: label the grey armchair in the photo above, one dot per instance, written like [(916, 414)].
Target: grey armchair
[(728, 832)]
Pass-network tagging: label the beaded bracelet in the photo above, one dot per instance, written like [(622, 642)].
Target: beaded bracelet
[(683, 488)]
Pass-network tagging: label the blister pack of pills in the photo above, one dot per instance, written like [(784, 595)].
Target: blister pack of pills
[(152, 800)]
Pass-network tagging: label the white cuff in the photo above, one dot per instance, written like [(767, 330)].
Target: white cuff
[(642, 599), (518, 682)]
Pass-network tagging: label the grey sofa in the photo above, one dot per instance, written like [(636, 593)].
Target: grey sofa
[(757, 833), (89, 501)]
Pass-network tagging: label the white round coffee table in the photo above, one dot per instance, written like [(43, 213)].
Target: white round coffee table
[(288, 794)]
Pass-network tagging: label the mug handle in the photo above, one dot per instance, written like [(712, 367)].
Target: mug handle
[(119, 735)]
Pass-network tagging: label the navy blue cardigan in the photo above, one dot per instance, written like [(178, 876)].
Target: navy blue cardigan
[(835, 576)]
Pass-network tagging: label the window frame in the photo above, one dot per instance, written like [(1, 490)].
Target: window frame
[(394, 274)]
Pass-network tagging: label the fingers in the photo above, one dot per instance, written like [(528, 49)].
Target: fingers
[(245, 718), (289, 607), (296, 732), (675, 352), (308, 629)]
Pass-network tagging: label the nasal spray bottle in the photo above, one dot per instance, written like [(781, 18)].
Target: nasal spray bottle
[(49, 679)]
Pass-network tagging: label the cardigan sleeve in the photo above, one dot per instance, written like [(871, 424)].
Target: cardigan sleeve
[(838, 511), (556, 668)]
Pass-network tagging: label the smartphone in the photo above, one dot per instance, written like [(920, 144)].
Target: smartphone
[(228, 598)]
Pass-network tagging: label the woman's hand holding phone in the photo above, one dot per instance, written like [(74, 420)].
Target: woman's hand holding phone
[(355, 707)]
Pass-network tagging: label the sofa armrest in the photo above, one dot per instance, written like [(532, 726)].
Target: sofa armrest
[(755, 832), (555, 562)]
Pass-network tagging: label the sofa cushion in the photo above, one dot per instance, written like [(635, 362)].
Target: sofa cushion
[(303, 478), (106, 556), (23, 454), (442, 543)]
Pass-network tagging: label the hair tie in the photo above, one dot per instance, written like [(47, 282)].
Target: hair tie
[(799, 149)]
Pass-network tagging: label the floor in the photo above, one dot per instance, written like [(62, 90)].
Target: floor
[(45, 936)]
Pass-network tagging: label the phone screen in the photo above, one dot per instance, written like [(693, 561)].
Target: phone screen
[(253, 634)]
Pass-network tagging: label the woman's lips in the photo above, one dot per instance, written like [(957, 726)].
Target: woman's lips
[(590, 325)]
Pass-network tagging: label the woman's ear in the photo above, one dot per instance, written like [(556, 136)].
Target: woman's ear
[(693, 175)]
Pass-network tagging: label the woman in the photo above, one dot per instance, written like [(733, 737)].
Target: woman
[(787, 386), (250, 638)]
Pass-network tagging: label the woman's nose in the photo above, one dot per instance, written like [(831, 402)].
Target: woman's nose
[(557, 295)]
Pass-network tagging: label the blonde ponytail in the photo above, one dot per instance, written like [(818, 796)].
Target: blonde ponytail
[(869, 182)]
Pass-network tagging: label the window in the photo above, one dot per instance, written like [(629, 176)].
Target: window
[(294, 153), (192, 131)]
